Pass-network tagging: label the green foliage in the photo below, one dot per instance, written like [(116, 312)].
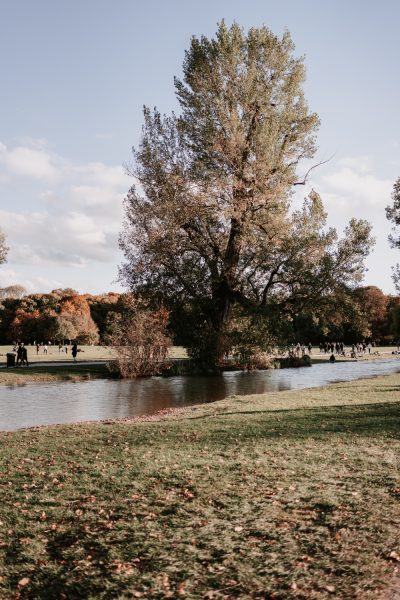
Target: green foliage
[(103, 309), (393, 318), (393, 214)]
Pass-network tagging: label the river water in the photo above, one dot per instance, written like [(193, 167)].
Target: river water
[(45, 404)]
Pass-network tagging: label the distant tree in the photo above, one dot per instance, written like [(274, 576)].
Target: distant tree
[(74, 316), (393, 318), (102, 307), (3, 248), (65, 329), (12, 291), (337, 317), (373, 304), (393, 215), (32, 326), (62, 292), (208, 230), (54, 316)]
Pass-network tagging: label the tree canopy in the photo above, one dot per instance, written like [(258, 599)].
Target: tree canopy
[(393, 214), (3, 248), (209, 227)]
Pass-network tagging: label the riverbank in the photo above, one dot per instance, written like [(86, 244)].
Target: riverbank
[(92, 364), (53, 373), (284, 495), (50, 371)]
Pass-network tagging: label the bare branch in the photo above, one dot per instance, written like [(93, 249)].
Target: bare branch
[(304, 181)]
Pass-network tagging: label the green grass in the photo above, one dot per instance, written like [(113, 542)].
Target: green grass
[(53, 355), (43, 374), (87, 353), (285, 495), (90, 353)]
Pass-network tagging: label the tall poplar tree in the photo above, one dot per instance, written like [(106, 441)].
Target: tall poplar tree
[(208, 225)]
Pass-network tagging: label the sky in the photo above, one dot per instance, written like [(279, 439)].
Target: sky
[(75, 74)]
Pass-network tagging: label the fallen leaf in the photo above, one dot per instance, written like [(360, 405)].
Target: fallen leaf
[(330, 588), (182, 588)]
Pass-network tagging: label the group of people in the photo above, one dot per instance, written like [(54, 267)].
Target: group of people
[(22, 355), (300, 349), (21, 351), (338, 348), (333, 349)]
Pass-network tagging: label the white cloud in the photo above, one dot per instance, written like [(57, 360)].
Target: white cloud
[(361, 164), (357, 189), (76, 211), (32, 285), (35, 163), (74, 220), (33, 159), (352, 189), (101, 174), (8, 277)]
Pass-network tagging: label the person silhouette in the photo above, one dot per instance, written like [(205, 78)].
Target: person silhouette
[(25, 356)]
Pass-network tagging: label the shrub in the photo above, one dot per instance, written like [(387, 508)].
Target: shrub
[(139, 339)]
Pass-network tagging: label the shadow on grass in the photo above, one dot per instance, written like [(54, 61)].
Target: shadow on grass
[(368, 420)]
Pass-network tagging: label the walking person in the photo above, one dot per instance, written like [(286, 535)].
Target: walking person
[(74, 351), (25, 356), (19, 355)]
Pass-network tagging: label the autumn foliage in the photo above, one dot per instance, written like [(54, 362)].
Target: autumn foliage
[(61, 315), (209, 227), (139, 337)]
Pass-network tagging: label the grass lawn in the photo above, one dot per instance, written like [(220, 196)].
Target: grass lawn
[(64, 369), (87, 353), (42, 374), (285, 495), (53, 355), (90, 353)]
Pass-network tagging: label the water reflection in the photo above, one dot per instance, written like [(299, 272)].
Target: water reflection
[(45, 404)]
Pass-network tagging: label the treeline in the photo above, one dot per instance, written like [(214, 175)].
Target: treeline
[(61, 315), (363, 313), (351, 316)]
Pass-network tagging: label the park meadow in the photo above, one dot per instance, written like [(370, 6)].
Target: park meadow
[(277, 496), (285, 495)]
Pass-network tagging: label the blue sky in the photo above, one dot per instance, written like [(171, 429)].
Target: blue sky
[(76, 73)]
